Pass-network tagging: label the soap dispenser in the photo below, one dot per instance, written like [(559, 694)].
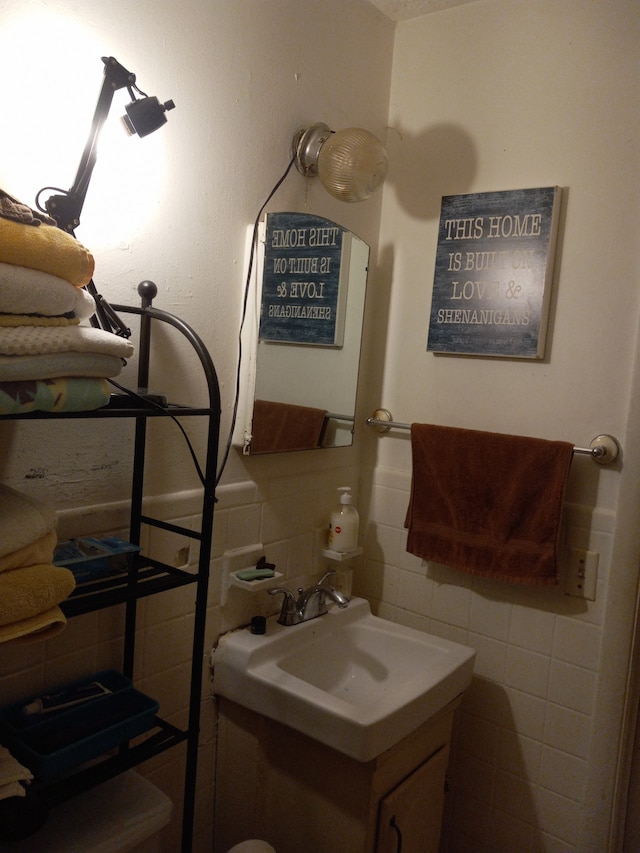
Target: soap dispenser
[(344, 523)]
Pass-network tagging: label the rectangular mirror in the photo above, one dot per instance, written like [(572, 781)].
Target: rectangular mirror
[(302, 377)]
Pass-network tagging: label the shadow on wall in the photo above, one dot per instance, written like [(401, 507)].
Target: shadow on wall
[(487, 764), (439, 161)]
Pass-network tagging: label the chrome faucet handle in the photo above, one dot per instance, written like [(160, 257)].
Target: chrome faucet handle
[(288, 611), (289, 598), (326, 576)]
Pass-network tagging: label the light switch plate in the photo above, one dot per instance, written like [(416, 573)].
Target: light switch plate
[(582, 573)]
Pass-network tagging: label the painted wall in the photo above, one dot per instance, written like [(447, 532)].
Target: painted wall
[(502, 95), (174, 208), (495, 95)]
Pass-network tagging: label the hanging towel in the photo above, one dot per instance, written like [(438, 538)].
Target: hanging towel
[(486, 503), (283, 426)]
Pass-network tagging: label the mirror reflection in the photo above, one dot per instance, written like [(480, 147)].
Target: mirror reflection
[(311, 306)]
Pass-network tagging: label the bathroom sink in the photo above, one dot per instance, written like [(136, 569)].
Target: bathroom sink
[(348, 679)]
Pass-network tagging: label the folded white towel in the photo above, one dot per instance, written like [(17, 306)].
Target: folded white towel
[(20, 368), (23, 519), (34, 340), (27, 291)]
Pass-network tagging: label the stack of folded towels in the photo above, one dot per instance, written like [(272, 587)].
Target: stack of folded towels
[(50, 358), (31, 587)]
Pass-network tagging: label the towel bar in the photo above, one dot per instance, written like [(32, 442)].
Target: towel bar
[(604, 449), (334, 416)]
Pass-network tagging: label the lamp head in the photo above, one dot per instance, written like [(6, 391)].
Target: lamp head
[(351, 163), (146, 115)]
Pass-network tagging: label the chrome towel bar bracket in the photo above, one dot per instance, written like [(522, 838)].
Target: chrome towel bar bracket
[(604, 449)]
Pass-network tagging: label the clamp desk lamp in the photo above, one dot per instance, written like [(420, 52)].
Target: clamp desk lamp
[(143, 116)]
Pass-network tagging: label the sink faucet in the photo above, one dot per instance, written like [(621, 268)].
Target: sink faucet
[(311, 602)]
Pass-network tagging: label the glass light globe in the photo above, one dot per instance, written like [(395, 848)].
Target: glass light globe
[(352, 164)]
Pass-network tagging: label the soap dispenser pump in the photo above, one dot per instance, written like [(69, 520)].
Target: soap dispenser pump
[(344, 523)]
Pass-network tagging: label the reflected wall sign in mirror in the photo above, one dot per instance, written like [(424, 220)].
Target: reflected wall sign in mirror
[(309, 305)]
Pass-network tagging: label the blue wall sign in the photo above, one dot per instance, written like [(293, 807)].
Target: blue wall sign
[(302, 297), (493, 273)]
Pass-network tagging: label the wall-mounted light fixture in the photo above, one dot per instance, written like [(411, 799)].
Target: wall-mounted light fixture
[(350, 163)]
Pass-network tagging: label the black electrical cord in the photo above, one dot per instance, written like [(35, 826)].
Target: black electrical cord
[(147, 402), (254, 241)]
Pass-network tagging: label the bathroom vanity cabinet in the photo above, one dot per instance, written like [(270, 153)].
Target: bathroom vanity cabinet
[(280, 785), (148, 576)]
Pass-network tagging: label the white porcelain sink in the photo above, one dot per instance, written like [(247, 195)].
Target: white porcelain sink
[(349, 679)]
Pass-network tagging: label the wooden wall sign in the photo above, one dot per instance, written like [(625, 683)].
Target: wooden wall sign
[(493, 273), (303, 292)]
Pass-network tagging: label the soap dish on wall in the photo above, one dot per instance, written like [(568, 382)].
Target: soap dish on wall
[(253, 585), (340, 556), (241, 560)]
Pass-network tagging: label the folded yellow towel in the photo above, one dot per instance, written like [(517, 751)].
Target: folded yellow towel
[(45, 248), (32, 590), (41, 627), (36, 553), (23, 519)]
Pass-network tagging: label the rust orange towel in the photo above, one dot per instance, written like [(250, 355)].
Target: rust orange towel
[(486, 503), (283, 426)]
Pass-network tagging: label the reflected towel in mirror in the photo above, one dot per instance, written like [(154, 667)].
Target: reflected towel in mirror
[(283, 426)]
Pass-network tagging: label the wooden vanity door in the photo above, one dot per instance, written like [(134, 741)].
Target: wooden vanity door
[(410, 816)]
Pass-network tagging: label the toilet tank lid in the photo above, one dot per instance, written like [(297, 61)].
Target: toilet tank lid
[(111, 818)]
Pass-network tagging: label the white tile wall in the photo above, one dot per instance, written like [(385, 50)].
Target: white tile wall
[(519, 759), (522, 737)]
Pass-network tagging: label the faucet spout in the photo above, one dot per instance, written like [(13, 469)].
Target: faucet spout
[(339, 597)]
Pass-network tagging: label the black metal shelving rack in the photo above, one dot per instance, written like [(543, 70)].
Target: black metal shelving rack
[(146, 576)]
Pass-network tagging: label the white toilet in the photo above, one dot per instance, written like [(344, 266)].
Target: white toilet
[(254, 845), (123, 815)]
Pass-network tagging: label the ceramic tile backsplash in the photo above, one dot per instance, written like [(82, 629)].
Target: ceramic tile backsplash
[(287, 516), (524, 729), (523, 734)]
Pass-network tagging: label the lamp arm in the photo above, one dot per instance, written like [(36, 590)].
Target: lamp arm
[(66, 208)]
